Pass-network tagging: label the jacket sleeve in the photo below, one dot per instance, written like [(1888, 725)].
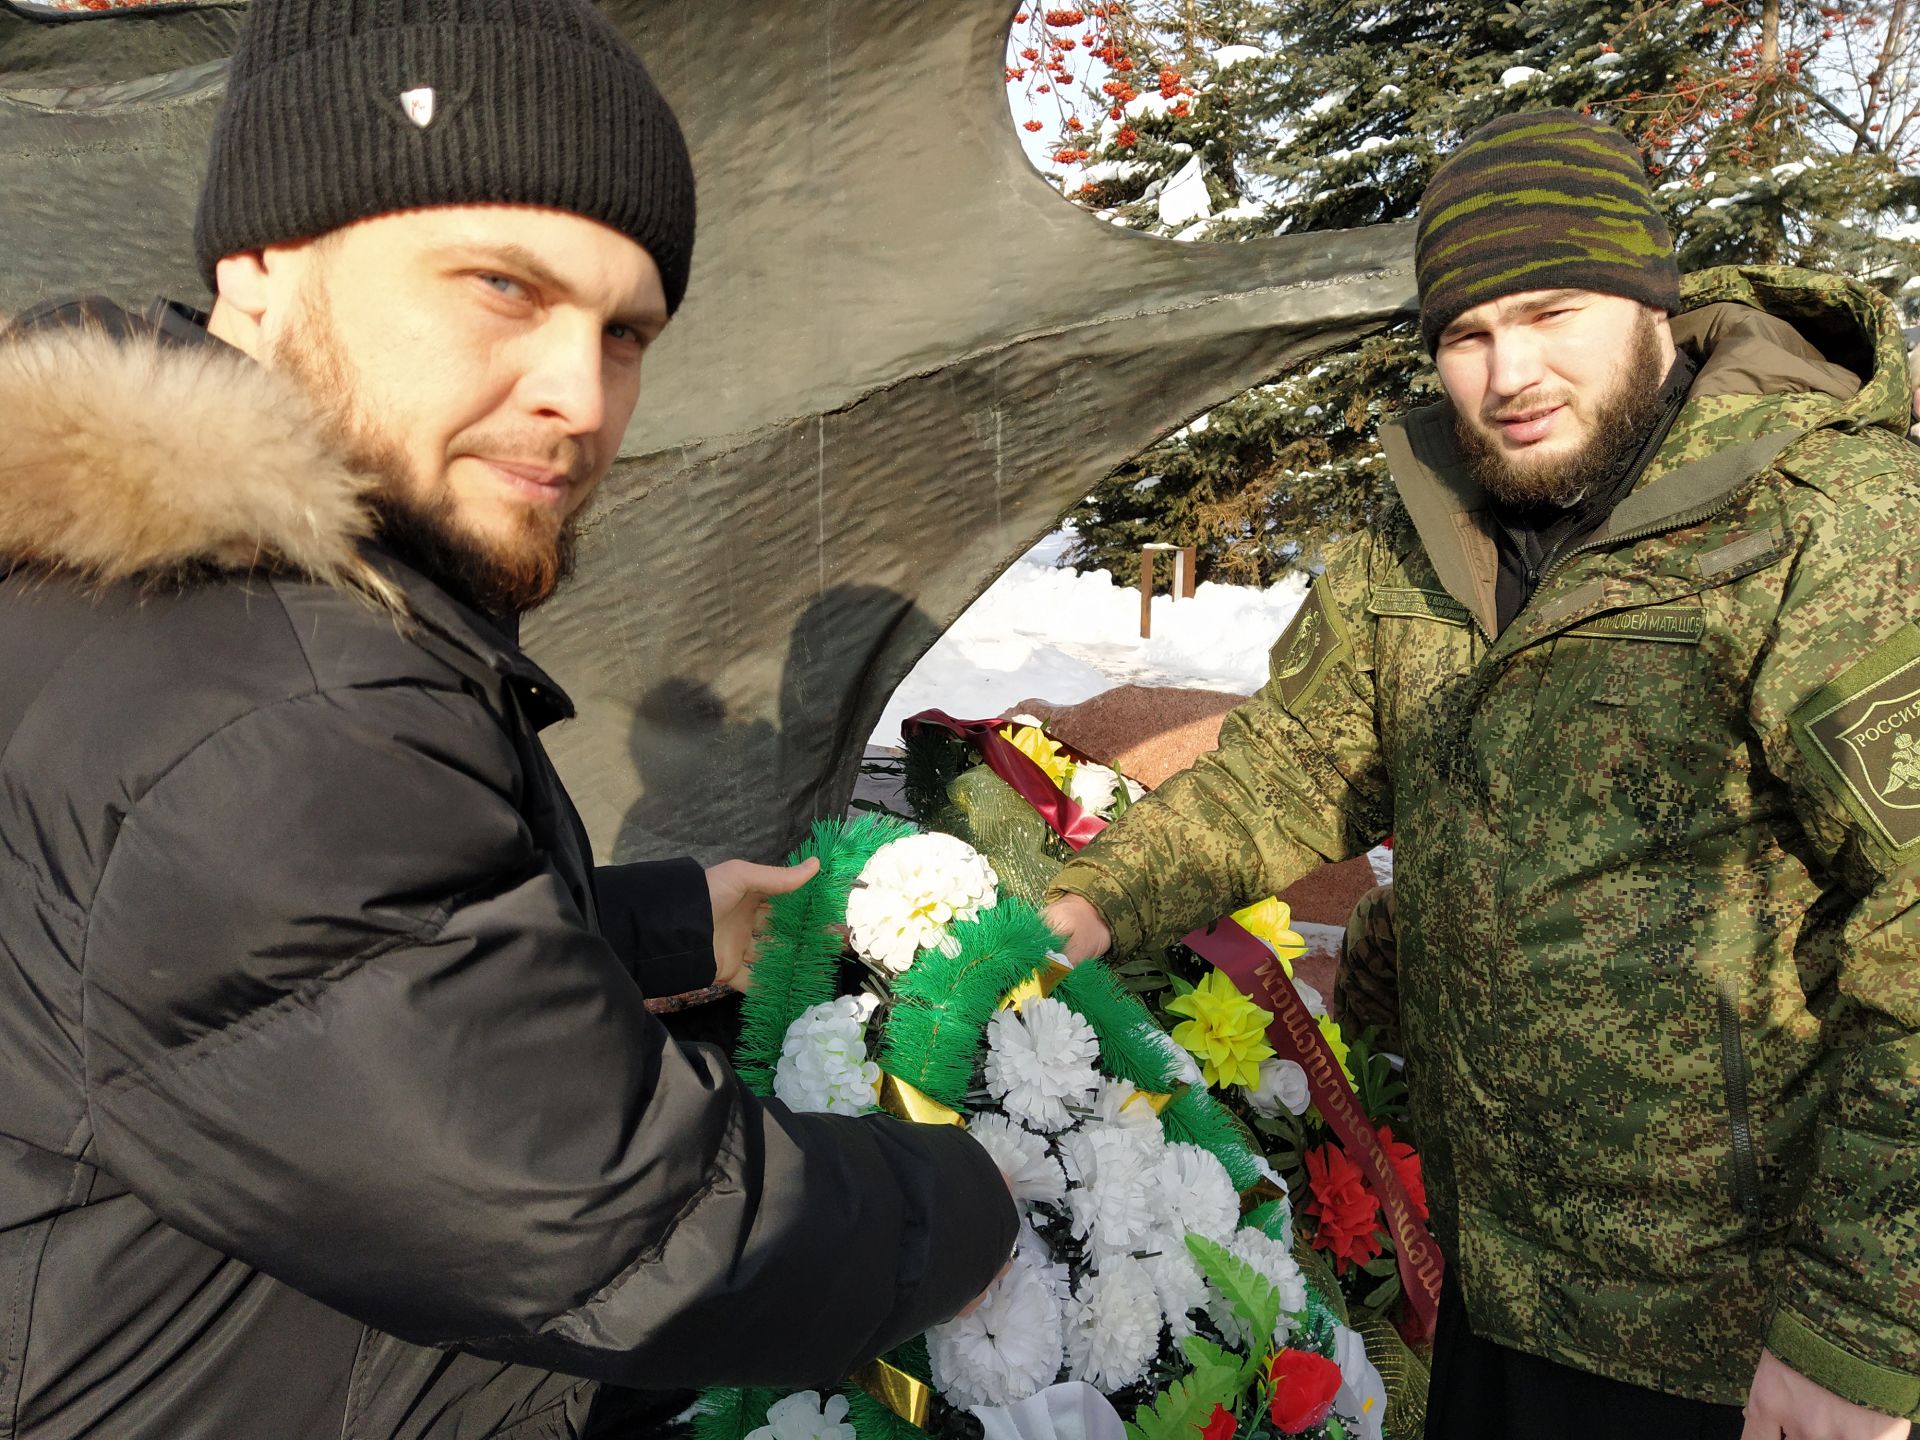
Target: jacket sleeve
[(1839, 682), (1298, 779), (659, 920), (346, 1024)]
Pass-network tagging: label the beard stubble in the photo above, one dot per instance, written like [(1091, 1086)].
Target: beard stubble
[(420, 522), (1620, 422)]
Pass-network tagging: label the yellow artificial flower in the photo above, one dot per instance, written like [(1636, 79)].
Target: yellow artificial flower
[(1268, 921), (1041, 748), (1226, 1032), (1337, 1043)]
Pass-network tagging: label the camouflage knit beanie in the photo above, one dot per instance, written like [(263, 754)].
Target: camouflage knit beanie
[(1546, 200)]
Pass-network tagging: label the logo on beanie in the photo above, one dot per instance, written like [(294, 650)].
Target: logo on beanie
[(418, 105)]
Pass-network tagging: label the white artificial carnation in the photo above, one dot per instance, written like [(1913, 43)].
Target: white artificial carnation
[(1040, 1063), (823, 1066), (1178, 1282), (909, 894), (801, 1416), (1282, 1087), (1032, 1173), (1113, 1325), (1110, 1175), (1271, 1259), (1120, 1103), (1194, 1194), (1009, 1347)]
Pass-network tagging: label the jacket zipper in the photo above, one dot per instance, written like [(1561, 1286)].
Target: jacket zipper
[(1733, 1066), (1672, 522)]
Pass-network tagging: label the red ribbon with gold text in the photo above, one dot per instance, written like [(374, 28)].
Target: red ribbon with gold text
[(1252, 967)]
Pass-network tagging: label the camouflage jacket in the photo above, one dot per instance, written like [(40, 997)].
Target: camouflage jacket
[(1657, 859)]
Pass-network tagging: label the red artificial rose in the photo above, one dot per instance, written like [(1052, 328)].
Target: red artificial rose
[(1405, 1161), (1304, 1385), (1220, 1425), (1345, 1212)]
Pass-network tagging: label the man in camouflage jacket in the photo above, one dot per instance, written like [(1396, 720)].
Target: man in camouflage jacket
[(1652, 772)]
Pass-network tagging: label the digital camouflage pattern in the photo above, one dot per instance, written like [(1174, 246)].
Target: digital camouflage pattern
[(1656, 868)]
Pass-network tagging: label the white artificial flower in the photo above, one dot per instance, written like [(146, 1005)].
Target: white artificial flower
[(910, 893), (1135, 790), (1010, 1347), (1362, 1397), (1091, 786), (823, 1064), (1271, 1259), (1039, 1063), (1110, 1174), (1177, 1281), (1283, 1086), (1309, 997), (1113, 1325), (1194, 1194), (1023, 718), (1032, 1173), (1120, 1103), (801, 1416)]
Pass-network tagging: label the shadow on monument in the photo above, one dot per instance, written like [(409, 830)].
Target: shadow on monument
[(686, 736)]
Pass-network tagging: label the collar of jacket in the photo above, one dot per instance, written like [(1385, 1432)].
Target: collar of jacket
[(1752, 331), (142, 449)]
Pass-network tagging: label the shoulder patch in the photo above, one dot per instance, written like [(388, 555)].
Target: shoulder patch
[(1863, 731), (1301, 654)]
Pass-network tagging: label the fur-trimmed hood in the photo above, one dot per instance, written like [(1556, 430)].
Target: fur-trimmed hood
[(130, 459)]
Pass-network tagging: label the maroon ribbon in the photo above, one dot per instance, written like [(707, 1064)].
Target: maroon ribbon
[(1254, 969)]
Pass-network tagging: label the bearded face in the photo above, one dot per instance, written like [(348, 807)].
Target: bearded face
[(481, 362), (1552, 391), (505, 569)]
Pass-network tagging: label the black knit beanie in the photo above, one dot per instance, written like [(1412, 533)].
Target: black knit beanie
[(1547, 200), (340, 109)]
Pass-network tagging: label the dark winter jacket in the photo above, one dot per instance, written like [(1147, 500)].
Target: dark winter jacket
[(329, 1101)]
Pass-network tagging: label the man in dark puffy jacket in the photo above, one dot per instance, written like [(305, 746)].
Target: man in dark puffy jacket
[(333, 1105)]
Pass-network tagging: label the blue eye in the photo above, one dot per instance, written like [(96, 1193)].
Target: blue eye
[(501, 285)]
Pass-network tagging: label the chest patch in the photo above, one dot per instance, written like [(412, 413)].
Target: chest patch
[(1863, 729), (1677, 625), (1415, 604)]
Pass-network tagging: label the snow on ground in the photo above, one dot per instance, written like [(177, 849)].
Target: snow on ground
[(1045, 632)]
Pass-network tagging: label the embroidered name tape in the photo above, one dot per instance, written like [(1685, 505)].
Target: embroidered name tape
[(1673, 624), (1417, 604)]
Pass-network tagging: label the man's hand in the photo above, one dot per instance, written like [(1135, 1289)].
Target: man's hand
[(1083, 934), (1785, 1402), (738, 890)]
